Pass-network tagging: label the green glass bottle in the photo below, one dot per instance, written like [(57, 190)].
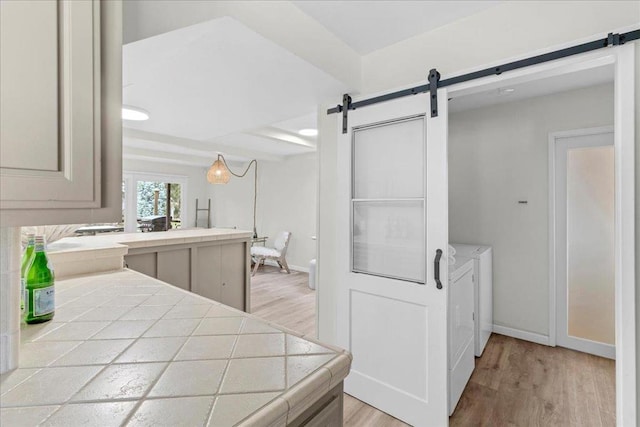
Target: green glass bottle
[(26, 259), (40, 293)]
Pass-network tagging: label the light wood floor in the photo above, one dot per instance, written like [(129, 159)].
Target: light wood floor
[(515, 383), (284, 299)]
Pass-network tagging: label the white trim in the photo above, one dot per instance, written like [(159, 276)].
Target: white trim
[(300, 269), (291, 267), (623, 59), (624, 146), (553, 137), (581, 132), (552, 238), (521, 335)]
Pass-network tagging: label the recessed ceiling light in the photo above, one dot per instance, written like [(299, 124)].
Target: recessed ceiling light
[(134, 113), (506, 91), (308, 132)]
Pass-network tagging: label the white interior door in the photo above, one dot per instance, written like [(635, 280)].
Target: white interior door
[(585, 254), (392, 219)]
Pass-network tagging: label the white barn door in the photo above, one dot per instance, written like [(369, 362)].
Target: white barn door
[(392, 220)]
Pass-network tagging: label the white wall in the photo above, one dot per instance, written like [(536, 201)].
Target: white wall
[(287, 198), (232, 203), (499, 33), (508, 29), (497, 156), (197, 185)]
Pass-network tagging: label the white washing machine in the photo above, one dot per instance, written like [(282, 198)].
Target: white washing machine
[(483, 289), (460, 327)]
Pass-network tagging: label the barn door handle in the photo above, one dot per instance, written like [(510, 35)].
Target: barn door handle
[(436, 269)]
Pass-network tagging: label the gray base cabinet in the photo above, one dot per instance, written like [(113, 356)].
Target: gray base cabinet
[(143, 263), (174, 266), (326, 412), (218, 270)]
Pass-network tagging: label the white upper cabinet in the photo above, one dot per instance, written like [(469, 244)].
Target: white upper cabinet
[(60, 101)]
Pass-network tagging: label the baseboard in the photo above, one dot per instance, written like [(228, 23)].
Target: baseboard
[(298, 268), (522, 335), (291, 267)]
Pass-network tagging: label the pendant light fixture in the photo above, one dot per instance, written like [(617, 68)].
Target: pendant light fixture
[(219, 173)]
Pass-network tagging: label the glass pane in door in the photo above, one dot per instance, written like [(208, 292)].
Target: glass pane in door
[(388, 239), (590, 244), (388, 160), (388, 206)]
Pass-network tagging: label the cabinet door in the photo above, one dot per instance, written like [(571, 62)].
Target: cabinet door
[(143, 263), (233, 275), (50, 104), (60, 136), (174, 267), (207, 274)]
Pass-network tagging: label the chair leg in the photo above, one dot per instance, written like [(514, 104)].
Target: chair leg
[(283, 263), (255, 267)]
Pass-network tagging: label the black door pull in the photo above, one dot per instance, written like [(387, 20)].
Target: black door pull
[(436, 269)]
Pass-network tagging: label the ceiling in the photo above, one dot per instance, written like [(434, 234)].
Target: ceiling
[(371, 25), (220, 86), (223, 85), (309, 121), (541, 87)]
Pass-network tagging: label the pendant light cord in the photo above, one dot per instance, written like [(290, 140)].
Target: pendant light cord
[(255, 185)]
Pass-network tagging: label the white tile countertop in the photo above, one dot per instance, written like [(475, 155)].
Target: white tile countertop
[(138, 240), (72, 256), (127, 349)]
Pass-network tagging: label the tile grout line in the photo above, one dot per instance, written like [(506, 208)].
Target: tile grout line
[(142, 399), (246, 318), (62, 324), (105, 367), (224, 372)]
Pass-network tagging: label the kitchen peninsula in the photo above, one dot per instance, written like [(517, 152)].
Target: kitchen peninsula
[(128, 349), (213, 262)]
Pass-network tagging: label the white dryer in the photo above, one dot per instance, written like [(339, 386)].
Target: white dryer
[(461, 328), (483, 289)]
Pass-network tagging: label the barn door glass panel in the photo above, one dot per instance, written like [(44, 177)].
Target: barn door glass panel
[(388, 205)]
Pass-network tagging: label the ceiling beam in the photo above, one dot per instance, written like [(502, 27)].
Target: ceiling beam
[(173, 144), (280, 135), (164, 157)]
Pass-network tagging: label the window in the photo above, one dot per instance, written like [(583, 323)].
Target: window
[(145, 201)]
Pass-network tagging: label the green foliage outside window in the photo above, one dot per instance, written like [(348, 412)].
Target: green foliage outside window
[(146, 199)]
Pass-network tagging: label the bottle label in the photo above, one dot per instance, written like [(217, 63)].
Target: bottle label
[(43, 301)]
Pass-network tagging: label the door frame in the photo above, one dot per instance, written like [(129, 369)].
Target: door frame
[(553, 283), (622, 57)]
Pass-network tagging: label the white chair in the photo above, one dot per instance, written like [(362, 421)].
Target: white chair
[(277, 253)]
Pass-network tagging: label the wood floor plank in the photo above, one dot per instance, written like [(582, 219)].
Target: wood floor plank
[(357, 413), (515, 384)]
